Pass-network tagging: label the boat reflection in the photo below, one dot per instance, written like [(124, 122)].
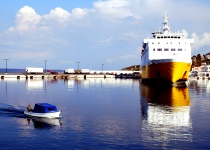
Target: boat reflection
[(200, 85), (44, 122), (165, 114)]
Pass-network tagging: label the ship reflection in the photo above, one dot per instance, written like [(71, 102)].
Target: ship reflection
[(44, 122), (165, 114)]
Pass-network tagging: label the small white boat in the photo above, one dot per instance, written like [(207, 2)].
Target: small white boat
[(44, 110)]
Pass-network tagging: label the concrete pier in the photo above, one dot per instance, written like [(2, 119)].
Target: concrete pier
[(53, 76)]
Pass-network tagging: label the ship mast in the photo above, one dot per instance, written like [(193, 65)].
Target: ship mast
[(166, 29), (166, 33)]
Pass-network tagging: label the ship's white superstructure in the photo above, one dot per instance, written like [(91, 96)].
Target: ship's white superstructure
[(166, 56)]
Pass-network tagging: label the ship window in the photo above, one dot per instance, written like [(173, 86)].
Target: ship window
[(173, 49), (179, 49), (158, 42), (165, 49), (153, 49), (152, 42), (159, 49), (166, 42), (50, 108)]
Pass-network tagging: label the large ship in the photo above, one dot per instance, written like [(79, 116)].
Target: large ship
[(166, 57)]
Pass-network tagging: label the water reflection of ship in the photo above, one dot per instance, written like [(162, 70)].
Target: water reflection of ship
[(165, 114)]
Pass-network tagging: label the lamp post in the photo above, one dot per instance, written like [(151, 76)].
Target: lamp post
[(102, 67), (77, 65), (6, 64), (45, 61)]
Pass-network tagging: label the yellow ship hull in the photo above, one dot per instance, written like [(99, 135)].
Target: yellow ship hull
[(168, 71)]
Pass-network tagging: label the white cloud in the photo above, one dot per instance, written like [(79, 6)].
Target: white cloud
[(79, 13), (58, 15), (113, 8), (185, 33), (64, 18), (201, 40), (26, 19)]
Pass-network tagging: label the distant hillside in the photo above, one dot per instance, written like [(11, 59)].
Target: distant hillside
[(200, 58), (132, 68)]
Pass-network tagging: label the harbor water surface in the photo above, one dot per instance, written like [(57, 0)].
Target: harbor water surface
[(103, 113)]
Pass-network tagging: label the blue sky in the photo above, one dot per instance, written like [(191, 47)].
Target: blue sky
[(93, 32)]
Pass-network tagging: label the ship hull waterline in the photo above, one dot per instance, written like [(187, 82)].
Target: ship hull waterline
[(166, 72)]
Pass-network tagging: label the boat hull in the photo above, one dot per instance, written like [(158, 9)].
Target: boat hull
[(43, 115), (49, 121), (169, 72)]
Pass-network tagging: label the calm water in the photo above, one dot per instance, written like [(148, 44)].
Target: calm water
[(105, 114)]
